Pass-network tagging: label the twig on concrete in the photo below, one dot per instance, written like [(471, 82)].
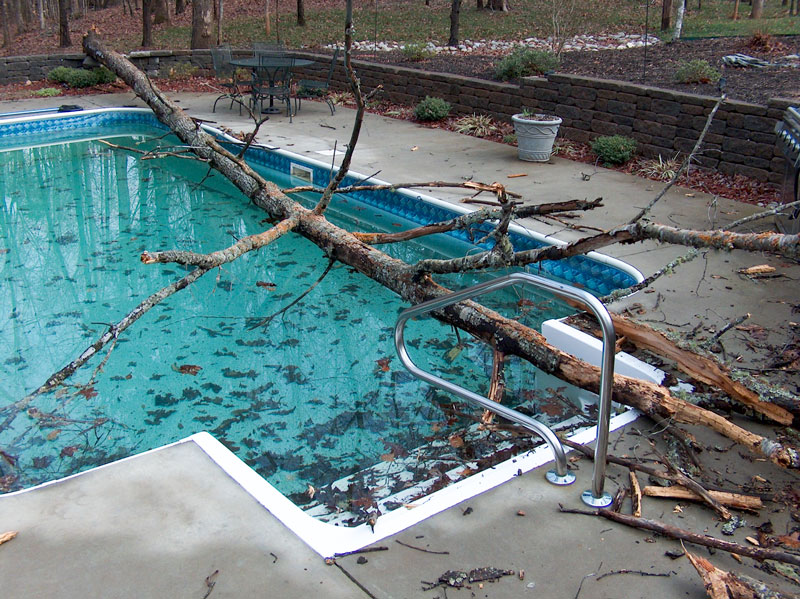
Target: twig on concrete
[(421, 549)]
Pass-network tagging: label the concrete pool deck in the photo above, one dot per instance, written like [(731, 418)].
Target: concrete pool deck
[(171, 523)]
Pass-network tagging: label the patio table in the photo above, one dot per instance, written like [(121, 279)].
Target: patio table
[(269, 66)]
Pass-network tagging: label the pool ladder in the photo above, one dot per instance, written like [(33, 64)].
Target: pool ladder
[(560, 475)]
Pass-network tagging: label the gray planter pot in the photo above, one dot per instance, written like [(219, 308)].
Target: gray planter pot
[(535, 136)]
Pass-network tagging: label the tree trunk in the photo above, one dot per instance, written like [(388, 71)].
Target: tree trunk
[(63, 24), (666, 14), (676, 35), (455, 10), (180, 6), (479, 5), (147, 23), (40, 10), (499, 5), (6, 28), (218, 8), (202, 24), (757, 10), (301, 13), (160, 12)]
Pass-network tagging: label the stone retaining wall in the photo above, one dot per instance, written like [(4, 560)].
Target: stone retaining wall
[(741, 139)]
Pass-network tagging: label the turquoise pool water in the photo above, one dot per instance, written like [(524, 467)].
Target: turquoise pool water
[(314, 395)]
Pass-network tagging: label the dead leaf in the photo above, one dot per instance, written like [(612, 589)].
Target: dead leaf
[(192, 369), (88, 392), (69, 451), (456, 441), (383, 364), (53, 435), (266, 285), (753, 541), (453, 353), (7, 536), (677, 509), (388, 457), (759, 269)]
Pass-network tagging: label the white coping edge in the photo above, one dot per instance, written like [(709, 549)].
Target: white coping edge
[(590, 349), (328, 539)]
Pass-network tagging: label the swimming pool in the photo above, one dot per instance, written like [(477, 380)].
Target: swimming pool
[(306, 399)]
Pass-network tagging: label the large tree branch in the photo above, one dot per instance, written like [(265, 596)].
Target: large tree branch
[(507, 335)]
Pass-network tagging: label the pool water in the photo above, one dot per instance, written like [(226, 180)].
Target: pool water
[(306, 398)]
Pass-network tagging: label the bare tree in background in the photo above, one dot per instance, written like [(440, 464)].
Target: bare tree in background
[(301, 13), (63, 24), (202, 24), (147, 23)]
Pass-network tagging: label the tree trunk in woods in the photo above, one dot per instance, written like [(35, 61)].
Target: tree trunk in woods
[(63, 24), (147, 23), (757, 10), (40, 12), (455, 10), (218, 10), (202, 24), (479, 5), (415, 285), (180, 6), (676, 34), (301, 13), (6, 28), (666, 14), (160, 12)]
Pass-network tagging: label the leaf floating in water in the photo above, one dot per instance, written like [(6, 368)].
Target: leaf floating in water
[(235, 374), (192, 369), (456, 441), (453, 353), (10, 459), (4, 251), (388, 457), (266, 285), (383, 364), (88, 392), (69, 451), (53, 435)]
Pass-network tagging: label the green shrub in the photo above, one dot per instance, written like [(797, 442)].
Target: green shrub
[(696, 71), (104, 75), (81, 77), (59, 74), (47, 92), (431, 109), (614, 149), (523, 62), (417, 52)]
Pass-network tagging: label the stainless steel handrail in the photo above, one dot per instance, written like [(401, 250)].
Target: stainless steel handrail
[(596, 496)]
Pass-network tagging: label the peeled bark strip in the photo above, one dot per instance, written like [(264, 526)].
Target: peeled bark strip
[(408, 282), (734, 500), (729, 585), (698, 367)]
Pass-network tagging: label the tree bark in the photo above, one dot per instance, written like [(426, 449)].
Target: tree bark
[(455, 10), (180, 6), (202, 24), (6, 29), (757, 9), (728, 585), (666, 14), (147, 23), (507, 335), (63, 24), (676, 35), (160, 12), (301, 13)]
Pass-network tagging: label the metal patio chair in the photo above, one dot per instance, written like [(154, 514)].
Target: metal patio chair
[(273, 83), (310, 88), (223, 70)]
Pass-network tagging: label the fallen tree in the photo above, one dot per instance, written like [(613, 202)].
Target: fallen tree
[(414, 282)]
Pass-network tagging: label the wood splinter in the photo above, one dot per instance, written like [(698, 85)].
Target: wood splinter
[(734, 500)]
